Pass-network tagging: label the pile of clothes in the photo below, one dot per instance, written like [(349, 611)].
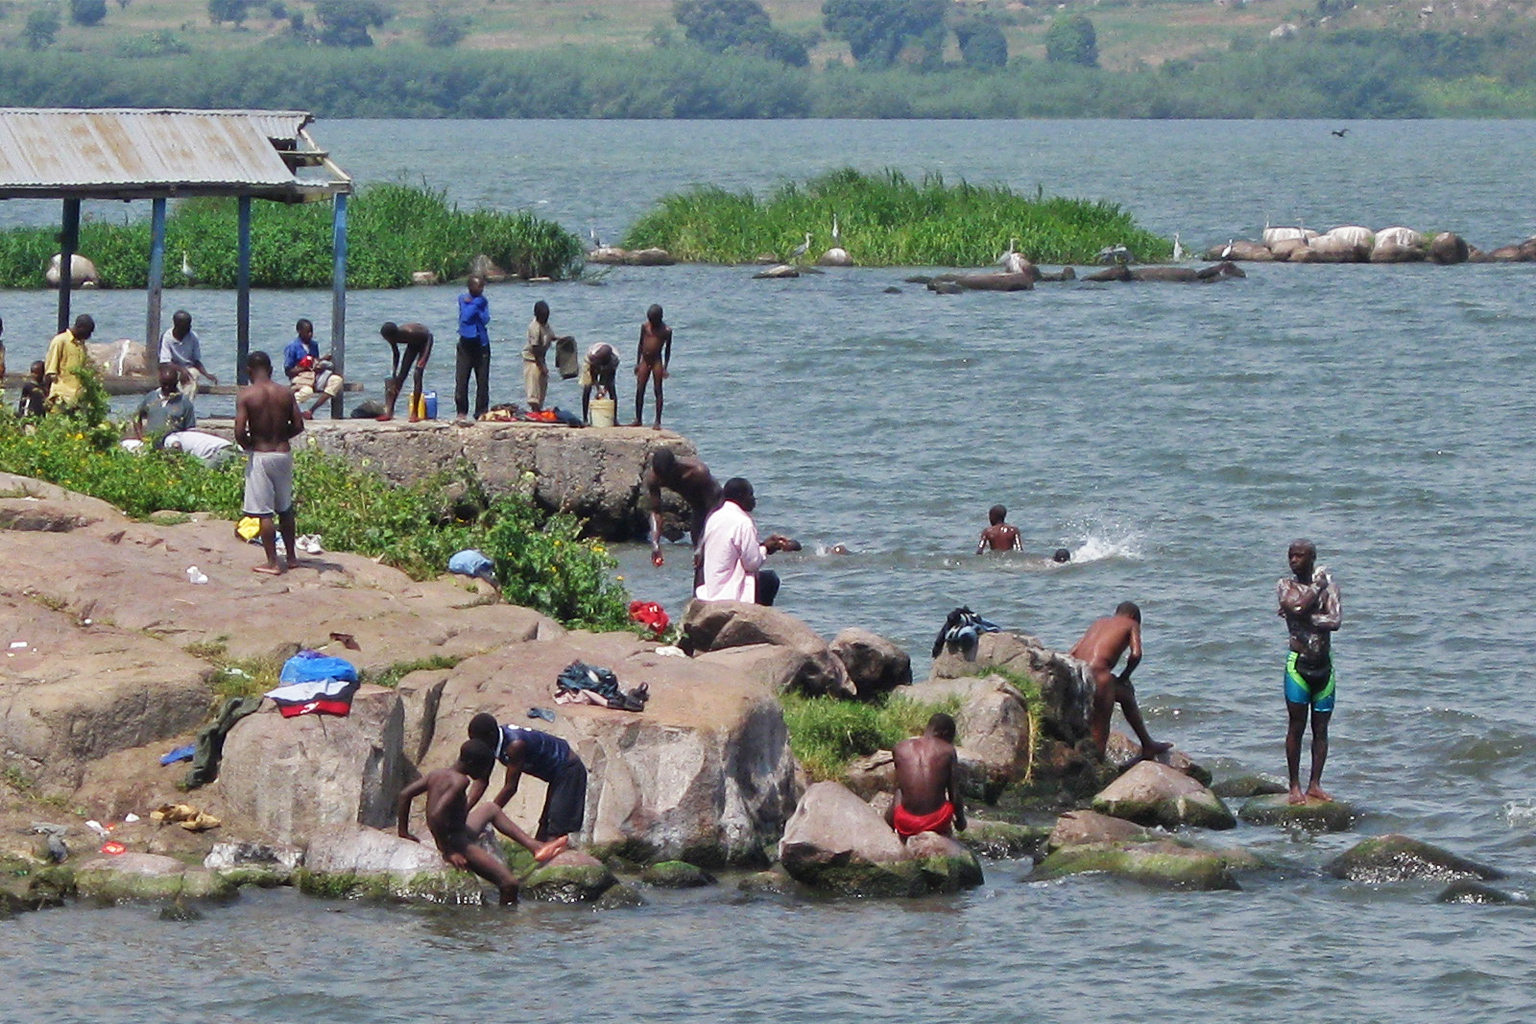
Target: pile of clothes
[(960, 631), (580, 683)]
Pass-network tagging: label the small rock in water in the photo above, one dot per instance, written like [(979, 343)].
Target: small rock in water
[(1476, 892), (179, 911), (1397, 858), (893, 290), (1245, 786), (1315, 815)]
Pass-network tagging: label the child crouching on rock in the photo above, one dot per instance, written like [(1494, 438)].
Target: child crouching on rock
[(455, 827)]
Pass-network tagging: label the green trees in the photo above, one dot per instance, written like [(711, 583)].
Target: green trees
[(1071, 40), (444, 28), (220, 11), (878, 31), (740, 26), (982, 44), (346, 22), (42, 27), (87, 12)]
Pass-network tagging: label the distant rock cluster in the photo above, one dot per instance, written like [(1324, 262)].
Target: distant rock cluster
[(1354, 244)]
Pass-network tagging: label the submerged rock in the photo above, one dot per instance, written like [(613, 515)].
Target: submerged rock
[(676, 874), (1003, 840), (1318, 816), (1155, 794), (1244, 786), (1162, 863), (145, 876), (780, 272), (1467, 891), (1397, 858), (620, 897)]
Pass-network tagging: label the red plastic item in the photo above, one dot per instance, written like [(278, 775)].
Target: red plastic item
[(113, 848), (650, 614)]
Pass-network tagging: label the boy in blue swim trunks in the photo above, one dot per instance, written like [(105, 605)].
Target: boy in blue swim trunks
[(1309, 603)]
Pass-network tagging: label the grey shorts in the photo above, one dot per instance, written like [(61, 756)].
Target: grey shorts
[(268, 484)]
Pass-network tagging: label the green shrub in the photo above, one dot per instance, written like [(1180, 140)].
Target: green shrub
[(825, 733), (889, 220)]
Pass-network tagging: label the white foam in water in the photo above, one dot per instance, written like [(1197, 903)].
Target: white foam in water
[(1101, 544), (1520, 815)]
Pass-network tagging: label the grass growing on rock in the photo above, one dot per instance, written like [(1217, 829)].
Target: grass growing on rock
[(541, 560), (886, 219), (826, 733), (393, 231)]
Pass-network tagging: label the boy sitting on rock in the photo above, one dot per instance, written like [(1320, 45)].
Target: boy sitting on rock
[(455, 827)]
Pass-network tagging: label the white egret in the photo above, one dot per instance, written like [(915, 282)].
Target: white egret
[(837, 236), (1178, 249), (1226, 253), (186, 268)]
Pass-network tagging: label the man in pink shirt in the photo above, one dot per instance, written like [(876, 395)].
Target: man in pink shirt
[(732, 555)]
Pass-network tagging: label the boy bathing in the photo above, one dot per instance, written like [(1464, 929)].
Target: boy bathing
[(999, 535), (1101, 647), (455, 827)]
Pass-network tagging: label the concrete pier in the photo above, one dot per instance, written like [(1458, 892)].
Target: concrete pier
[(593, 472)]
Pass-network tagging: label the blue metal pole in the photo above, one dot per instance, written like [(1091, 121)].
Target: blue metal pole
[(69, 240), (156, 279), (339, 294), (243, 292)]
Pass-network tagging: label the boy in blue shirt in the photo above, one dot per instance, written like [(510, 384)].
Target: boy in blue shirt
[(474, 352)]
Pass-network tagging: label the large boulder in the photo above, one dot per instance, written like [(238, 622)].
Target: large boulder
[(121, 358), (1241, 249), (290, 777), (1123, 753), (1155, 794), (1447, 247), (993, 725), (836, 256), (145, 876), (1275, 237), (347, 861), (1342, 245), (703, 774), (73, 687), (947, 864), (1397, 858), (837, 843), (1313, 816), (1061, 683), (1086, 828), (876, 665), (718, 625), (82, 272), (1399, 245), (1162, 864)]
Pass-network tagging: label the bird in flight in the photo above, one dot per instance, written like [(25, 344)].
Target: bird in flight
[(1339, 133)]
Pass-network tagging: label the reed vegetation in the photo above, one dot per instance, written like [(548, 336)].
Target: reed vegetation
[(393, 231), (825, 733), (886, 219)]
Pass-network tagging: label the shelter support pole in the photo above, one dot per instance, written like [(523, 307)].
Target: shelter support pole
[(69, 241), (243, 292), (156, 279), (339, 295)]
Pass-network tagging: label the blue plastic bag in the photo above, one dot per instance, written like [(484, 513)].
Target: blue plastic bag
[(472, 563), (314, 667)]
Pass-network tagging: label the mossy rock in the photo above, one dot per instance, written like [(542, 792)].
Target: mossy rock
[(456, 888), (773, 882), (21, 893), (951, 874), (1319, 816), (568, 883), (1003, 840), (180, 912), (1199, 810), (676, 874), (260, 876), (1476, 892), (1244, 786), (1162, 864), (633, 851), (106, 885), (1397, 858), (620, 897), (889, 879)]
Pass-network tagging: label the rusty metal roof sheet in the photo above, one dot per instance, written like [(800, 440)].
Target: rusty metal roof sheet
[(132, 153)]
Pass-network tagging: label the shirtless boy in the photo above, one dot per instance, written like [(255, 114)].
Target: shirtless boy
[(418, 349), (598, 371), (927, 782), (1309, 603), (689, 478), (651, 363), (266, 418), (455, 827), (1101, 647), (999, 536)]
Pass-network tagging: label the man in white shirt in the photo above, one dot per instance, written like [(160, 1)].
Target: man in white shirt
[(732, 555), (180, 348)]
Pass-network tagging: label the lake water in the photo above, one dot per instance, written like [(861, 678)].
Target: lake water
[(1174, 437)]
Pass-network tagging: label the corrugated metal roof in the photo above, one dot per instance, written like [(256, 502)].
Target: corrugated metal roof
[(129, 153)]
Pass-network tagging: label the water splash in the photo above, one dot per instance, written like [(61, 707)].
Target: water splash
[(1520, 814), (1100, 542)]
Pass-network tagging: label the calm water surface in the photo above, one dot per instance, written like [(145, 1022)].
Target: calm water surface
[(1174, 437)]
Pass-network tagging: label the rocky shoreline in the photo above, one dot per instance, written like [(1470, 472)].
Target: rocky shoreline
[(111, 657)]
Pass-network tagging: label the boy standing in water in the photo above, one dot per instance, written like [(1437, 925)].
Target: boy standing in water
[(455, 827), (474, 353), (1309, 603), (651, 364), (999, 535)]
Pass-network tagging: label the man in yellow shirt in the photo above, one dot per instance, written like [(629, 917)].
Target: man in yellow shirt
[(66, 354)]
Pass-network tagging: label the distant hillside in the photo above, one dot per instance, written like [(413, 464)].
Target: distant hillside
[(598, 58)]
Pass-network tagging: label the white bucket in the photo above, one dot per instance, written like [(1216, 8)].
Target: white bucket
[(604, 412)]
